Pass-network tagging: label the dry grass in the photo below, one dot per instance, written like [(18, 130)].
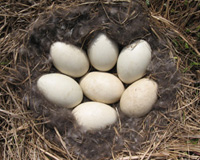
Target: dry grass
[(20, 134)]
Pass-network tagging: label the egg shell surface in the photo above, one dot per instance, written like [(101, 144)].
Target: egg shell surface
[(60, 90), (133, 61), (103, 53), (69, 59), (138, 99), (102, 87), (94, 115)]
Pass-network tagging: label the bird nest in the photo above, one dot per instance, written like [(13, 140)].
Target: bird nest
[(78, 23)]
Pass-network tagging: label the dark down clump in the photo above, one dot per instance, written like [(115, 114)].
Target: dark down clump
[(124, 22)]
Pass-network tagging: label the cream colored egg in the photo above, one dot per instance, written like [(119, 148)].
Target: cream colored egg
[(103, 53), (139, 98), (133, 61), (94, 115), (102, 87), (60, 89), (69, 59)]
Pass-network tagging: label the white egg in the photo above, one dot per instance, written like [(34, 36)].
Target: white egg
[(103, 53), (102, 87), (139, 98), (133, 61), (69, 59), (94, 115), (60, 89)]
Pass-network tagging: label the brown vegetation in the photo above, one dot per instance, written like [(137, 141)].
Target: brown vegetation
[(170, 134)]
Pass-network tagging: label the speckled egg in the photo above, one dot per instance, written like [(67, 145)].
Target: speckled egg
[(138, 99)]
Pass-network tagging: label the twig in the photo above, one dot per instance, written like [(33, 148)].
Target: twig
[(62, 142), (10, 113), (173, 26)]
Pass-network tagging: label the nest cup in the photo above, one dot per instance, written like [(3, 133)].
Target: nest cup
[(122, 21)]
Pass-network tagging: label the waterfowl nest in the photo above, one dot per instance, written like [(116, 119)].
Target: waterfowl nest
[(124, 22)]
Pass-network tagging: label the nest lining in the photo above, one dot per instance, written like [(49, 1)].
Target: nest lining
[(124, 23)]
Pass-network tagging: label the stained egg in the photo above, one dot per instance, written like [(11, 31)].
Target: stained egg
[(102, 87), (94, 115), (103, 53), (139, 98), (69, 59), (60, 90), (133, 61)]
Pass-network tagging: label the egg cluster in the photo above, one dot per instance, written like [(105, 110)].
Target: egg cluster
[(101, 87)]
